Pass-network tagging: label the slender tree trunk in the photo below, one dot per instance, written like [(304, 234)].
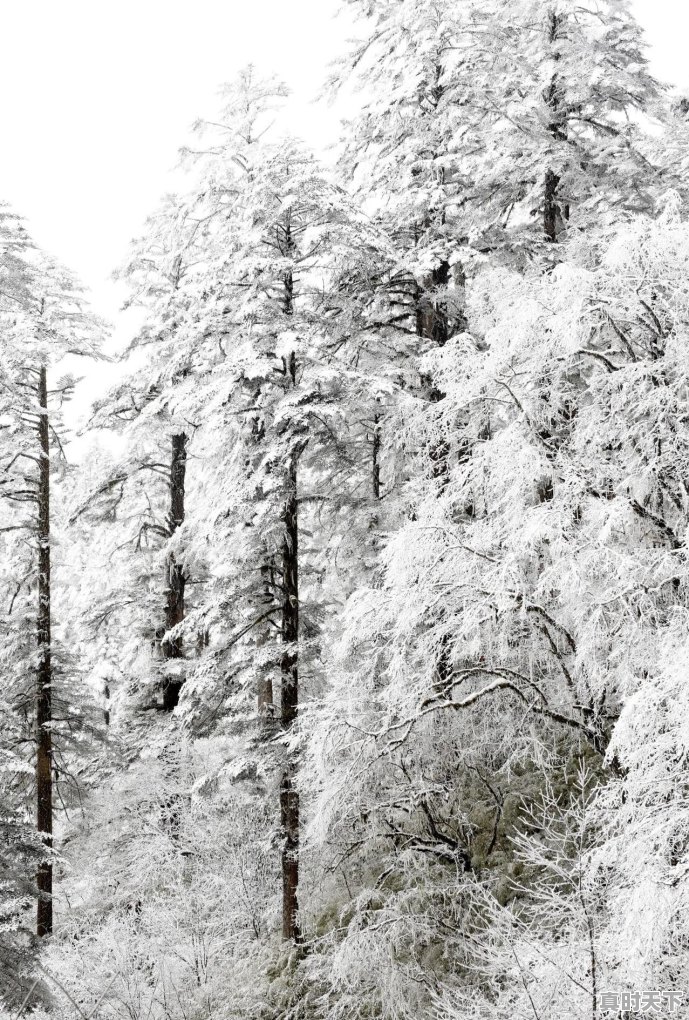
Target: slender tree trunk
[(44, 677), (289, 694), (289, 667), (174, 572), (376, 446), (375, 477), (552, 217), (555, 212), (289, 663)]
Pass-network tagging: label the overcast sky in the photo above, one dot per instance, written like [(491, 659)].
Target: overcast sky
[(97, 96)]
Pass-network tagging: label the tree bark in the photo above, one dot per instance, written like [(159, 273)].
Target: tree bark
[(289, 694), (375, 476), (289, 663), (555, 212), (174, 572), (44, 739)]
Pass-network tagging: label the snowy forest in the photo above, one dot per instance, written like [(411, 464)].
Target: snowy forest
[(344, 651)]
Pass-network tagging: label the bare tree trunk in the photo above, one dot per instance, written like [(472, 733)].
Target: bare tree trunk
[(552, 217), (289, 694), (44, 673), (375, 479), (289, 663), (555, 211), (174, 572)]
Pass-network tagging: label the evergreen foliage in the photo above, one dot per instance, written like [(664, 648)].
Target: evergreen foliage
[(343, 676)]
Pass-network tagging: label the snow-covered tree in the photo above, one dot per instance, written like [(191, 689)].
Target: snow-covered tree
[(548, 574), (44, 322), (556, 123), (374, 568)]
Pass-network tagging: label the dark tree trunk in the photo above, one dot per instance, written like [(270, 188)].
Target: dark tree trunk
[(375, 479), (290, 603), (289, 694), (552, 216), (376, 446), (174, 572), (555, 211), (289, 818), (44, 673), (289, 663)]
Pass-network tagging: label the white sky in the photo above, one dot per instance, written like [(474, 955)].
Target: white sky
[(97, 96)]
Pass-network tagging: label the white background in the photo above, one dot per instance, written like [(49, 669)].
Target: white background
[(96, 96)]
